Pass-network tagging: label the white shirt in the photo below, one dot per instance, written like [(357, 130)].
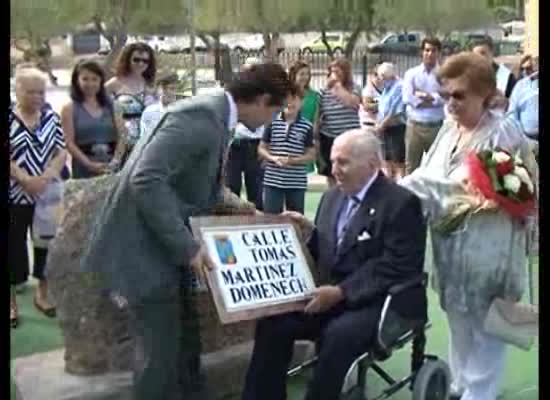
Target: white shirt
[(233, 112), (420, 78), (360, 195), (242, 132), (151, 117)]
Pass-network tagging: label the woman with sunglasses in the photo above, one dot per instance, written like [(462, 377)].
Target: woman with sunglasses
[(484, 258), (133, 87)]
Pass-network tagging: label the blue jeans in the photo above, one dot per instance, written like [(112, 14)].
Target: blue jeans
[(275, 200)]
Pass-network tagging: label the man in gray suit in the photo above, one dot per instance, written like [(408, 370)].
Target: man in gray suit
[(142, 245)]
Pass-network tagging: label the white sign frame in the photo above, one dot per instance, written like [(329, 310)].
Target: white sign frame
[(206, 228)]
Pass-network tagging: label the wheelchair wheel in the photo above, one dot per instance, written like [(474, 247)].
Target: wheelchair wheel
[(432, 381)]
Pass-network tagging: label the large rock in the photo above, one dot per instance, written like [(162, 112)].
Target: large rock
[(97, 334)]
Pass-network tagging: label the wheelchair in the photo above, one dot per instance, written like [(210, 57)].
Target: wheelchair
[(430, 376)]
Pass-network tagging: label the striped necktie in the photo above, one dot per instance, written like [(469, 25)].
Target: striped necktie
[(351, 207)]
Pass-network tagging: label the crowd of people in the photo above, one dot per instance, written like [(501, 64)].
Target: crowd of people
[(399, 143)]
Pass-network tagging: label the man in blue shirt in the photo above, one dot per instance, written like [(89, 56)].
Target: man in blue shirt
[(524, 106), (391, 121), (425, 113)]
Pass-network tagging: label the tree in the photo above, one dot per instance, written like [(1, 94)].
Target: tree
[(34, 21), (433, 17)]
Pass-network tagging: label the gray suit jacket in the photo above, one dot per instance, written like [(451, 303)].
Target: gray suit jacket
[(142, 238)]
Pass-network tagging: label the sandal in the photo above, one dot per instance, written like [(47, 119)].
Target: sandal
[(48, 312), (14, 319)]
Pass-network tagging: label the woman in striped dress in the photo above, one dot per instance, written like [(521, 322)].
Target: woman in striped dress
[(37, 156), (338, 112)]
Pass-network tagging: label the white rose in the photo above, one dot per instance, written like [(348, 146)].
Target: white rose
[(500, 157), (512, 183), (523, 175)]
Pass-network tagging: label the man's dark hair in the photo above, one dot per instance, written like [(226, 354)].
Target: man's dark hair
[(485, 41), (435, 42), (167, 79), (260, 79)]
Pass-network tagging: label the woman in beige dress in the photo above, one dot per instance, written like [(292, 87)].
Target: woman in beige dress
[(484, 258)]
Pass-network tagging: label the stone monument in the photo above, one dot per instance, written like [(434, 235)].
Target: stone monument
[(96, 331)]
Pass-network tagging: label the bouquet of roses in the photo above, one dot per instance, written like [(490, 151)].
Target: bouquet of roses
[(495, 180)]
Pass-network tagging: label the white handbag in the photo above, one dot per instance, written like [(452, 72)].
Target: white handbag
[(47, 213), (513, 323)]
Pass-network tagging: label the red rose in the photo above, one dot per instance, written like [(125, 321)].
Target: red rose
[(505, 167)]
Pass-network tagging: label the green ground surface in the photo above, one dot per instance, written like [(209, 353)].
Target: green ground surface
[(38, 334)]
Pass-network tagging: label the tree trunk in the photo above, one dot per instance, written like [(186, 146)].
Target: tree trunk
[(222, 56), (350, 45), (116, 37), (327, 45)]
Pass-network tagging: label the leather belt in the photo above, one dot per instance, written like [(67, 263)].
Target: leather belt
[(426, 124)]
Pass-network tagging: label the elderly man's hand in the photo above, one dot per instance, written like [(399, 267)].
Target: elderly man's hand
[(297, 218), (324, 298)]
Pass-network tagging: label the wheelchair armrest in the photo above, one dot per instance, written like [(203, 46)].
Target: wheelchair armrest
[(392, 324), (401, 287)]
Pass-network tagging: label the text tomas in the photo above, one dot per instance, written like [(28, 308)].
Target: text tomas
[(269, 246)]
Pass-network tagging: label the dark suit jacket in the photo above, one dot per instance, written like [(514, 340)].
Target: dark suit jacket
[(366, 269), (142, 239)]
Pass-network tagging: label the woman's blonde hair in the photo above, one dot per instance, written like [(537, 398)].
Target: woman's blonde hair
[(476, 69)]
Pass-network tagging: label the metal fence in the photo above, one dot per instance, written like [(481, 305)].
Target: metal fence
[(361, 62)]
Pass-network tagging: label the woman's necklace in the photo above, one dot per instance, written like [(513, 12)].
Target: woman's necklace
[(465, 136)]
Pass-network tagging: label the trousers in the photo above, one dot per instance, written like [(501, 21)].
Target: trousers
[(418, 140), (243, 160), (477, 360), (168, 346), (343, 334), (21, 217)]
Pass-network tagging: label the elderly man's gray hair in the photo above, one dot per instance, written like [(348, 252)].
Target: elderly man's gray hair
[(386, 70), (365, 145)]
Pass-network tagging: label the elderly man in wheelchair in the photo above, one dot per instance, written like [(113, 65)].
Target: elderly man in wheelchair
[(368, 243)]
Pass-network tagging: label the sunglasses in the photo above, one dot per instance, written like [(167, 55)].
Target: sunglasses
[(137, 60), (457, 95)]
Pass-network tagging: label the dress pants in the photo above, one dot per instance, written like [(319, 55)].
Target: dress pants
[(168, 346), (343, 335), (418, 140), (477, 360), (243, 159)]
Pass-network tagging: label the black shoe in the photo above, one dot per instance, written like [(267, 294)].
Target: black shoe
[(49, 312), (455, 397)]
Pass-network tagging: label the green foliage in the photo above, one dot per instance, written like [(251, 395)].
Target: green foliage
[(441, 16)]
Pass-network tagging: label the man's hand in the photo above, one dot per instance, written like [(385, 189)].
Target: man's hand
[(325, 297), (202, 263), (332, 80)]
